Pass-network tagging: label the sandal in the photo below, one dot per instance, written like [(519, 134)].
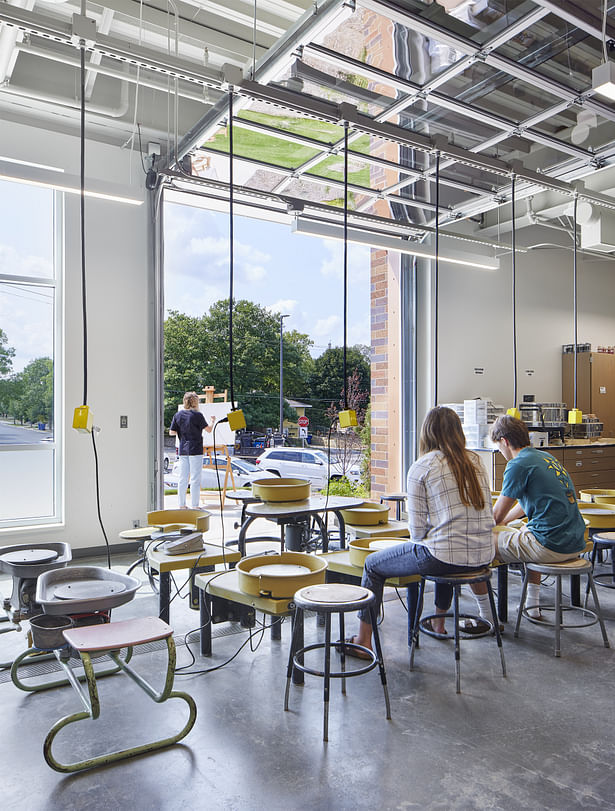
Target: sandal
[(351, 651), (427, 627)]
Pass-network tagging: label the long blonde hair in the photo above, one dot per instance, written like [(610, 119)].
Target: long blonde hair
[(442, 431)]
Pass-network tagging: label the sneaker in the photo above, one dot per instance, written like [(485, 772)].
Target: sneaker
[(478, 626)]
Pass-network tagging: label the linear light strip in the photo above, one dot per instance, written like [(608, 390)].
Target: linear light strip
[(60, 182), (326, 231)]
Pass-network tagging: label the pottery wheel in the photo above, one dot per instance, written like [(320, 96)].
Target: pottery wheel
[(31, 556), (87, 589), (335, 593), (280, 569)]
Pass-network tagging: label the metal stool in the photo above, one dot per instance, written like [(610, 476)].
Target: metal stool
[(456, 581), (578, 566), (327, 599), (399, 499), (602, 540)]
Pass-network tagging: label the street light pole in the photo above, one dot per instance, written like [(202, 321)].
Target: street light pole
[(282, 317)]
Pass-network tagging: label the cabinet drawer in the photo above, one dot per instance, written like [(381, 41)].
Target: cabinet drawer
[(590, 452), (589, 464), (597, 479)]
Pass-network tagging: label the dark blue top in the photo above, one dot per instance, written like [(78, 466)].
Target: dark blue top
[(189, 425), (544, 490)]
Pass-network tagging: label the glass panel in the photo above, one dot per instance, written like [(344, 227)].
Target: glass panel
[(401, 49), (26, 484), (580, 127), (26, 230), (496, 92), (26, 373), (557, 50)]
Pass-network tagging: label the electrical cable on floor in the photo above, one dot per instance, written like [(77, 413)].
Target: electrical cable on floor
[(181, 671)]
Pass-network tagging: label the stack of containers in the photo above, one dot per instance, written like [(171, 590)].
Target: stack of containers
[(475, 426)]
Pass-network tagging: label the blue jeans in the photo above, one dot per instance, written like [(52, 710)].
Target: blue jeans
[(404, 560), (190, 467)]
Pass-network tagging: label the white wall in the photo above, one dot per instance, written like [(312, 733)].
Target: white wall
[(119, 286), (475, 314)]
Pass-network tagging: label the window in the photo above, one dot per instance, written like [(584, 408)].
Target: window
[(29, 348)]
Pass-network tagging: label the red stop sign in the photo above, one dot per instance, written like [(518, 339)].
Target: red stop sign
[(303, 422)]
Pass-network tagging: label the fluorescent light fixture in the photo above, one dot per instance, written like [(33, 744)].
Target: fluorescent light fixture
[(50, 179), (388, 243), (603, 80)]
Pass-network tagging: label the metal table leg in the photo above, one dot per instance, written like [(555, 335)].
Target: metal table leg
[(164, 596), (503, 592)]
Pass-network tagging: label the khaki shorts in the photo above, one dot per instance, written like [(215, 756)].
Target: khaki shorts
[(516, 545)]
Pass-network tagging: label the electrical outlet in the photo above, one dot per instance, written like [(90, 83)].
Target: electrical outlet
[(136, 523), (123, 421)]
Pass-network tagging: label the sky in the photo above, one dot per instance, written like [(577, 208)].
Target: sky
[(26, 248), (288, 273), (280, 270)]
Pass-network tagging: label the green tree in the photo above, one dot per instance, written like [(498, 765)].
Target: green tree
[(7, 353), (262, 411), (327, 379), (35, 402), (196, 354), (185, 359)]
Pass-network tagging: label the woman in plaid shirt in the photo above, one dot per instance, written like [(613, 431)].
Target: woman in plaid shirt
[(449, 515)]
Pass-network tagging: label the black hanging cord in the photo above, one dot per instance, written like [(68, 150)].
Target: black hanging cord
[(575, 305), (100, 521), (437, 280), (231, 201), (345, 260), (514, 291), (82, 215)]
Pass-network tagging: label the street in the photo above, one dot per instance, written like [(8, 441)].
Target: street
[(20, 435)]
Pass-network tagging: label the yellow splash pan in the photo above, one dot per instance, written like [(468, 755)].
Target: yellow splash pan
[(367, 514), (600, 516), (598, 496), (360, 548), (280, 576), (281, 489)]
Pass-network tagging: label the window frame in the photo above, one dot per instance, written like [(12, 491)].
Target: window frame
[(55, 282)]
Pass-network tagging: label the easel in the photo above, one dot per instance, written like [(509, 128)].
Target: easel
[(209, 461)]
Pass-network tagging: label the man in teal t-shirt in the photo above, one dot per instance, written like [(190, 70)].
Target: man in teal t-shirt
[(542, 488)]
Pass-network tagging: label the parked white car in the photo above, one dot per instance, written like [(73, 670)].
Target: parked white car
[(244, 474), (305, 463)]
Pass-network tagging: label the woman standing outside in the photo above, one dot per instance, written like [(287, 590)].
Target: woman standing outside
[(450, 518), (188, 424)]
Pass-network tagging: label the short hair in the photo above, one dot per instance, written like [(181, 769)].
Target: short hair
[(191, 399), (513, 430)]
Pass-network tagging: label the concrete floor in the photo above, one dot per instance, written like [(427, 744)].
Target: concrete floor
[(541, 738)]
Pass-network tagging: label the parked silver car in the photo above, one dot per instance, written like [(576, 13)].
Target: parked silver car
[(305, 463), (244, 474)]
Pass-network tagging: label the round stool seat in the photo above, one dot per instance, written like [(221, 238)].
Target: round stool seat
[(328, 597), (575, 566), (473, 576), (398, 499), (605, 579)]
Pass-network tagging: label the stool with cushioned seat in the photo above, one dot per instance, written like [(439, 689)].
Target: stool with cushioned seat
[(456, 581), (110, 638), (577, 566)]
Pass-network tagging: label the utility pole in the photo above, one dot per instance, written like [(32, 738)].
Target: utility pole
[(282, 317)]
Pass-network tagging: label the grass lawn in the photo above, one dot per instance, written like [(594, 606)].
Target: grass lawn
[(268, 148)]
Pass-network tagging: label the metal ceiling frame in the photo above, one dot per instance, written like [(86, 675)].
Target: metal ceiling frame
[(184, 72)]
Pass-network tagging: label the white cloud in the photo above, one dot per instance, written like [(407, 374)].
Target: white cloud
[(254, 273), (283, 305), (326, 327), (358, 261)]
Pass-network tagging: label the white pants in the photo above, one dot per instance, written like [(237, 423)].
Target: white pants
[(190, 467)]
